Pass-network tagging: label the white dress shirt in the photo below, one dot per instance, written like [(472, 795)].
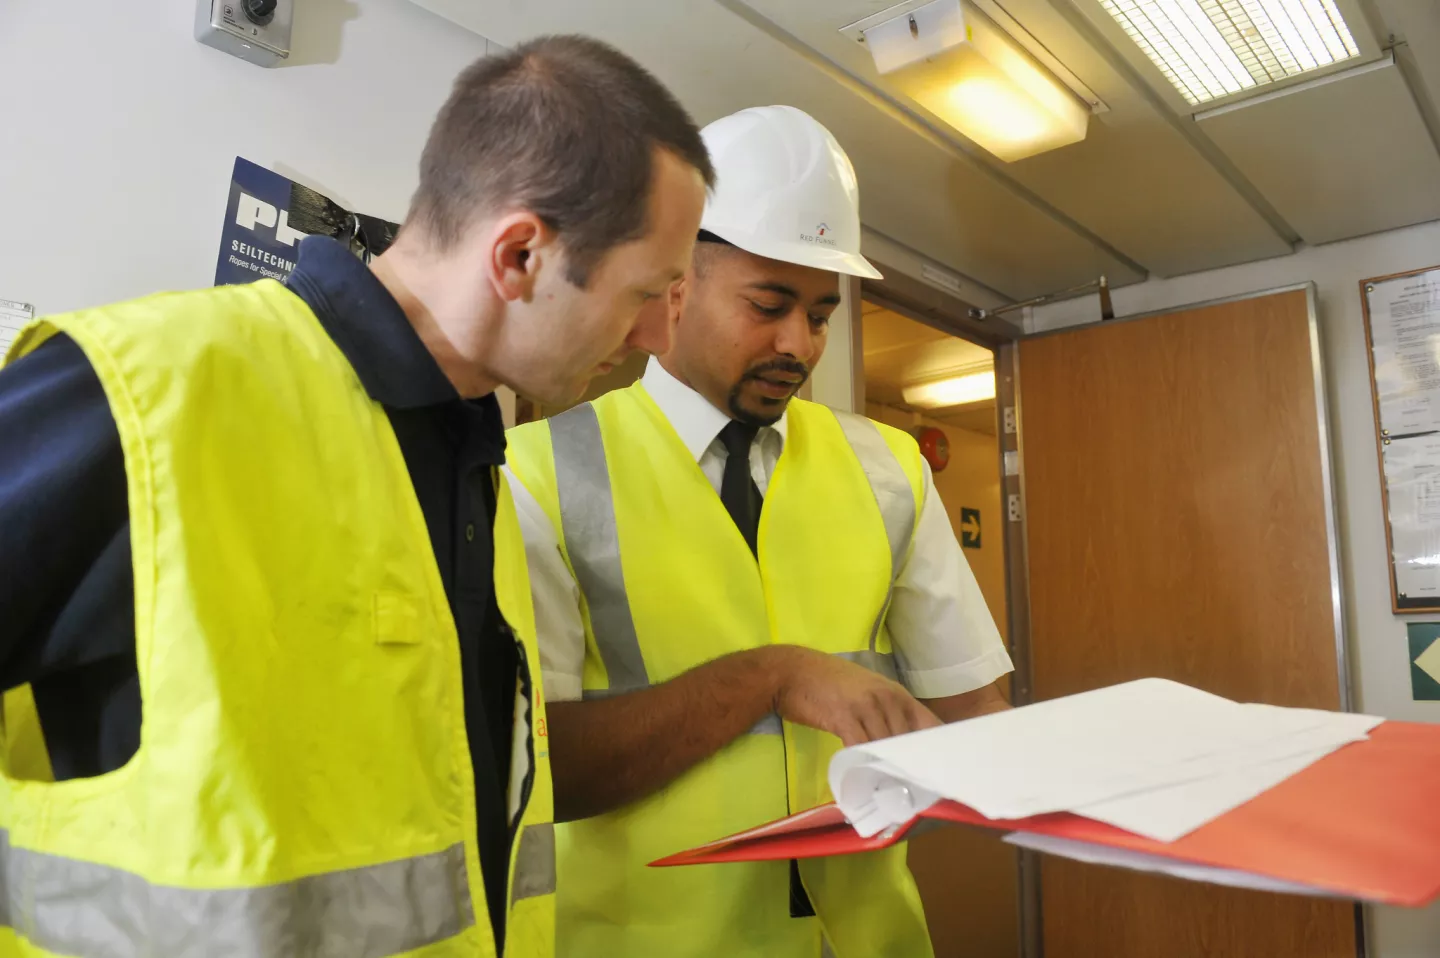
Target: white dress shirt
[(945, 640)]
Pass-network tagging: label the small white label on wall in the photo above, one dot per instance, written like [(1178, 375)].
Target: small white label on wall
[(938, 277), (14, 316)]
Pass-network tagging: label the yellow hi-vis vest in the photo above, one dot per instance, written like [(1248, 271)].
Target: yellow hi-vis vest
[(303, 783), (668, 583)]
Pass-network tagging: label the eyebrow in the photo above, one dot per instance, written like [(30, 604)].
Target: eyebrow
[(780, 289)]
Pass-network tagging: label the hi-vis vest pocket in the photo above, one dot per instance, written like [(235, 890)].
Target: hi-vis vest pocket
[(397, 619)]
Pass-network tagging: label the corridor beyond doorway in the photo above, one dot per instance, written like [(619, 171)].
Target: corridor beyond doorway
[(913, 372)]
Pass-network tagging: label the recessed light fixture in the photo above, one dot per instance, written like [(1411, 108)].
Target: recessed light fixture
[(1214, 48), (960, 66), (955, 391)]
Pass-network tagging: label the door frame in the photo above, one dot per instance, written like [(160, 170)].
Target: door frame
[(940, 310), (943, 311), (948, 313)]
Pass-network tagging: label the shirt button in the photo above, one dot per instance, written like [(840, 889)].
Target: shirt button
[(470, 532)]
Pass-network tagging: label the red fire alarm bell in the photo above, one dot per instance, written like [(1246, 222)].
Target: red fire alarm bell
[(934, 447)]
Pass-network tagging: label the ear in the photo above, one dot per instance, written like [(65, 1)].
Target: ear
[(676, 295), (518, 243)]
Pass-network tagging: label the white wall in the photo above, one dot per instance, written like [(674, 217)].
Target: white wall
[(1380, 670), (118, 132)]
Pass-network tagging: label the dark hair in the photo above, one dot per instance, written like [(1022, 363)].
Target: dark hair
[(563, 126)]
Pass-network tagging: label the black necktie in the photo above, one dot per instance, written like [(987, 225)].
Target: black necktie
[(743, 501), (737, 489)]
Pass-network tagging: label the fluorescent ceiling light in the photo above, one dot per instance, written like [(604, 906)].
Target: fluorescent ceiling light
[(955, 391), (974, 77), (1214, 48)]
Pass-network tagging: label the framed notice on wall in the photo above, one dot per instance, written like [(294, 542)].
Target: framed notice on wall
[(1402, 327)]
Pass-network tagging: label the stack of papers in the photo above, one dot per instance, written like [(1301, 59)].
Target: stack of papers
[(1153, 776), (1153, 757)]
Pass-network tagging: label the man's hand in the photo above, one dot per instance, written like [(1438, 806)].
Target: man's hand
[(606, 753), (844, 699)]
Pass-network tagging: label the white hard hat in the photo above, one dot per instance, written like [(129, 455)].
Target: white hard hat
[(784, 190)]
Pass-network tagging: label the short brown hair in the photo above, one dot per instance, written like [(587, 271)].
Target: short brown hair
[(563, 126)]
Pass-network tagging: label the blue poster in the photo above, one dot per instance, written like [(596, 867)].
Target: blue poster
[(258, 240), (268, 214)]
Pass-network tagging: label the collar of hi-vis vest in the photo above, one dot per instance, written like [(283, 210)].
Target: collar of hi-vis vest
[(696, 421), (369, 327)]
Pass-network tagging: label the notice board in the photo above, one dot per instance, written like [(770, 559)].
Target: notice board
[(1402, 329)]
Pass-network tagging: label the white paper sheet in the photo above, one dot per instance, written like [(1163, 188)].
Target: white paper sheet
[(1412, 479), (1405, 332), (1139, 861), (1121, 750), (13, 318), (1174, 811)]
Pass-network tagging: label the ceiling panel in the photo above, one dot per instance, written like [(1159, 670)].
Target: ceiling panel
[(1136, 176), (913, 189), (885, 331), (1147, 190), (1341, 158), (1415, 25), (1129, 182)]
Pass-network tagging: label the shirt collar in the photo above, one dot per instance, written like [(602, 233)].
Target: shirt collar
[(368, 326), (694, 419)]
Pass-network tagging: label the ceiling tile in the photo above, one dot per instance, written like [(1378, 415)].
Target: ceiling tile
[(1341, 158)]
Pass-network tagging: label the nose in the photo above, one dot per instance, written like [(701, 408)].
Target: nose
[(796, 337), (653, 328)]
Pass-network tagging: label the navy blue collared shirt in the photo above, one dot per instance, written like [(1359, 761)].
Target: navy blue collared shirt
[(66, 584)]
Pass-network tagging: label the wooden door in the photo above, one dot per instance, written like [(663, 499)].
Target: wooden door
[(1177, 527)]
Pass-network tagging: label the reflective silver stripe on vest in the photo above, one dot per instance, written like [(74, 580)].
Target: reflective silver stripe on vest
[(769, 725), (89, 910), (881, 663), (587, 521), (893, 494), (534, 863)]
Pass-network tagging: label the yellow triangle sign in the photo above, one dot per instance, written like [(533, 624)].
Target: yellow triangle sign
[(1429, 660)]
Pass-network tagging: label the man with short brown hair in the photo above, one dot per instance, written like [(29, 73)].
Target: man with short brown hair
[(260, 519)]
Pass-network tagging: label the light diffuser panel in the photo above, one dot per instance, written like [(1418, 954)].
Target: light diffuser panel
[(1214, 48)]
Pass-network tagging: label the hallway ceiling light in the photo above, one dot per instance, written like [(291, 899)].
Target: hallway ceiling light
[(955, 391), (1213, 48), (961, 67)]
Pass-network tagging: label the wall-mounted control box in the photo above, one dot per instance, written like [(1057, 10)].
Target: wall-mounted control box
[(254, 30)]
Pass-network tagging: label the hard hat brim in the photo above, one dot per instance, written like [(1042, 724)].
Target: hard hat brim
[(799, 253)]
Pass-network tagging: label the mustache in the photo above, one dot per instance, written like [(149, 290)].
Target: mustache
[(790, 366)]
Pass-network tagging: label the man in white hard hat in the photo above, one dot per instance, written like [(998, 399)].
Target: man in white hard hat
[(730, 583)]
